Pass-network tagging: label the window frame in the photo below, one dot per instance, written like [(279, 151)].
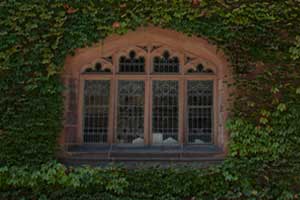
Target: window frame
[(148, 80), (193, 50)]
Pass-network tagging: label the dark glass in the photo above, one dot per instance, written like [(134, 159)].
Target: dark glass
[(132, 63), (166, 64), (96, 111), (200, 111), (130, 118), (165, 112)]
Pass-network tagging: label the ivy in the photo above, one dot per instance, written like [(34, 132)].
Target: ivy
[(260, 38), (295, 50)]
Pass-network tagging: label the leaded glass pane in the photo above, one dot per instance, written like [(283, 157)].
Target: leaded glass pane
[(200, 69), (97, 68), (96, 109), (166, 63), (130, 119), (165, 112), (132, 63), (200, 111)]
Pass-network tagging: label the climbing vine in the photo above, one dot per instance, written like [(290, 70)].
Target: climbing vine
[(260, 39)]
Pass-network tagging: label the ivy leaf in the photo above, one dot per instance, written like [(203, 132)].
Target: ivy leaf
[(263, 120), (274, 90), (254, 192), (295, 50), (281, 107), (265, 113)]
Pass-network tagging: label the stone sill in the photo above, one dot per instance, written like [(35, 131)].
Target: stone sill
[(99, 154)]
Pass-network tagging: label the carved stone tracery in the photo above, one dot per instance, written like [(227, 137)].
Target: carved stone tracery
[(163, 60)]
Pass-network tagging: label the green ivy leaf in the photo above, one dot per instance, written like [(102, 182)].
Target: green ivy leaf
[(263, 120), (281, 107)]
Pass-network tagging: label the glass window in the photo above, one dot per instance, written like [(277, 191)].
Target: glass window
[(200, 111), (126, 107), (166, 63), (130, 116), (132, 63), (165, 112), (96, 109)]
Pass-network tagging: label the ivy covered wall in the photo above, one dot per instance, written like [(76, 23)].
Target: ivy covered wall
[(260, 37)]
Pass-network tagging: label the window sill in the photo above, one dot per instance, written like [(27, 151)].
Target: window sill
[(97, 154)]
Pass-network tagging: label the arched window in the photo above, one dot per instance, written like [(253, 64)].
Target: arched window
[(149, 87)]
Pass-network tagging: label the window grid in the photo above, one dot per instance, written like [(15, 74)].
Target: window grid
[(96, 109), (165, 100), (165, 112), (200, 111), (166, 64), (132, 63), (130, 117)]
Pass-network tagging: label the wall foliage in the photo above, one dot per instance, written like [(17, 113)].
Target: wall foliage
[(260, 37)]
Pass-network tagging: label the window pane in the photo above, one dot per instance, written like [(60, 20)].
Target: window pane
[(96, 109), (165, 112), (165, 63), (132, 63), (200, 111), (130, 124)]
